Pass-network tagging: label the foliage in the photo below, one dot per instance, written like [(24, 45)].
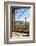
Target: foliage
[(22, 26)]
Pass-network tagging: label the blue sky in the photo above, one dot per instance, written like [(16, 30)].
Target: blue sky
[(21, 13)]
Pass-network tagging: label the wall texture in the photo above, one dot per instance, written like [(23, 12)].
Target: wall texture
[(35, 21)]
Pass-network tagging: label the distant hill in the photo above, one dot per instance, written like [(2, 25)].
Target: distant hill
[(21, 22)]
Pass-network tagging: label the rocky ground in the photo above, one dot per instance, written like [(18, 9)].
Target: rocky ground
[(17, 34)]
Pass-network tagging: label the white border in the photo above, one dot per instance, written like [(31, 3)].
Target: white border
[(31, 24)]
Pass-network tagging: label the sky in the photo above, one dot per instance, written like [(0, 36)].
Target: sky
[(21, 13)]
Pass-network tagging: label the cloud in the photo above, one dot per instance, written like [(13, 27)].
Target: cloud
[(21, 13)]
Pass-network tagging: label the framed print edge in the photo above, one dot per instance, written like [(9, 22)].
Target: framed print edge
[(6, 38), (5, 23)]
